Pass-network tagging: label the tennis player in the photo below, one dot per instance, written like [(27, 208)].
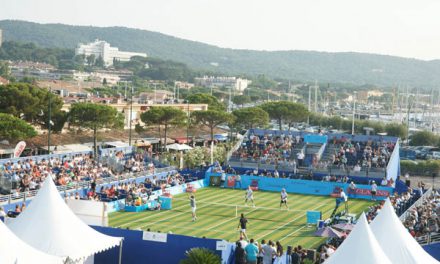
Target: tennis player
[(242, 225), (284, 198), (249, 196), (192, 203)]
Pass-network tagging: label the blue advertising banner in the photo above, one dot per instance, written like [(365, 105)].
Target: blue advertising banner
[(313, 217), (315, 138), (306, 186)]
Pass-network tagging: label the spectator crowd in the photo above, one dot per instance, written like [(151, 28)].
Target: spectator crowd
[(288, 151), (28, 174)]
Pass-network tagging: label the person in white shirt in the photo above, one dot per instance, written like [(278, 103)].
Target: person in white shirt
[(384, 181), (2, 212), (222, 179), (284, 198), (344, 199), (373, 190), (295, 169), (249, 196), (352, 190), (300, 157)]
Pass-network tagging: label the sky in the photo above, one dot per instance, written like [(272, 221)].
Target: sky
[(404, 28)]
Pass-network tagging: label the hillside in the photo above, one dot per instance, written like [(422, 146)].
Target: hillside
[(346, 67)]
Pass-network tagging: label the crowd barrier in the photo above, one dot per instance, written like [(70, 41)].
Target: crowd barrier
[(139, 248), (302, 186), (361, 138)]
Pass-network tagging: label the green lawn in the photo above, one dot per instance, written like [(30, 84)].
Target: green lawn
[(218, 220)]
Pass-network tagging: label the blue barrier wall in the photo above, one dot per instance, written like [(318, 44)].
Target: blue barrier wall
[(433, 250), (304, 186), (400, 186), (135, 250), (310, 138)]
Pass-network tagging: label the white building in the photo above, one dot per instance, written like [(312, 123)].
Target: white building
[(102, 49), (237, 84), (96, 76)]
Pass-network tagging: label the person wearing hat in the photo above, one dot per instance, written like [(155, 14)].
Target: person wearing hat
[(373, 190), (352, 190)]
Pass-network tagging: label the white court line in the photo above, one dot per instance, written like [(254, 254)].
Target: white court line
[(153, 215), (272, 210), (299, 229), (172, 216), (201, 229), (123, 215), (296, 218)]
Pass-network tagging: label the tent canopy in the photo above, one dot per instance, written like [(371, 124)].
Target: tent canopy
[(360, 247), (179, 147), (50, 226), (395, 240), (14, 250), (328, 232)]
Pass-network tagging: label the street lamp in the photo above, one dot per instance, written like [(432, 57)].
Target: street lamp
[(188, 122), (49, 128), (354, 113), (131, 115)]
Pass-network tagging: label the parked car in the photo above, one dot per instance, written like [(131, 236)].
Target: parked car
[(425, 150), (407, 154), (433, 155)]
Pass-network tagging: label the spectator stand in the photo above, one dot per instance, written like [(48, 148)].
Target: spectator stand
[(9, 201), (362, 156)]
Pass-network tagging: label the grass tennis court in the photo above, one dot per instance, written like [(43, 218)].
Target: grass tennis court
[(217, 209)]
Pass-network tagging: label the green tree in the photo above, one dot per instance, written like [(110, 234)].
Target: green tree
[(396, 130), (91, 59), (4, 69), (250, 117), (201, 98), (99, 62), (424, 138), (201, 256), (212, 119), (31, 103), (95, 116), (166, 116), (241, 100), (284, 111), (14, 129)]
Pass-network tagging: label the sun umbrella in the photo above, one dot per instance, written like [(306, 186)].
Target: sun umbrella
[(344, 226), (328, 232), (178, 147)]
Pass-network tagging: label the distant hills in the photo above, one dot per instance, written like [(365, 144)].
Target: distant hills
[(344, 67)]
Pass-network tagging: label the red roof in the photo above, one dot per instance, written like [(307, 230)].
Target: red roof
[(3, 81)]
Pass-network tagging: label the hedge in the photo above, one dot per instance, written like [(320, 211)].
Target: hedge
[(420, 168)]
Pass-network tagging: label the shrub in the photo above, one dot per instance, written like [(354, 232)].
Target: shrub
[(421, 168), (201, 256)]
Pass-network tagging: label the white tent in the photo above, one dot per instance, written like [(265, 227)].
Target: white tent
[(14, 251), (179, 147), (396, 241), (50, 226), (360, 247)]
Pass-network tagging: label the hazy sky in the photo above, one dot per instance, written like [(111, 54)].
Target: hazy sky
[(397, 27)]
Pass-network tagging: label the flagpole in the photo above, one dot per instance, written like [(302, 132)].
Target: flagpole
[(49, 120)]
